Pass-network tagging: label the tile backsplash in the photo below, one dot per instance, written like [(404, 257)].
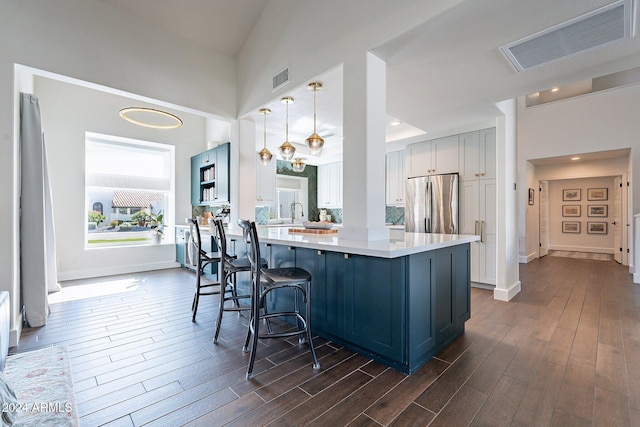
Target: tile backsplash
[(394, 215)]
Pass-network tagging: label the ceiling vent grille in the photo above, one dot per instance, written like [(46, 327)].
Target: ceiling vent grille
[(280, 79), (598, 28)]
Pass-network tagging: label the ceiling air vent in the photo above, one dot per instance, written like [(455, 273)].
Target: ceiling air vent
[(280, 79), (598, 28)]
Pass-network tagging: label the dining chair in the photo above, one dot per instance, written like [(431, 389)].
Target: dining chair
[(202, 259), (265, 281), (231, 266)]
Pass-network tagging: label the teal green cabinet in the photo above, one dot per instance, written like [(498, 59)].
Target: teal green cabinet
[(374, 293), (210, 177), (398, 311)]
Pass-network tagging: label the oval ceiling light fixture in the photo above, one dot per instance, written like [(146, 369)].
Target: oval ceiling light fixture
[(264, 154), (287, 150), (298, 165), (315, 141), (575, 158), (151, 118)]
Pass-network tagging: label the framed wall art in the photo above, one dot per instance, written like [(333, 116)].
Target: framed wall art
[(598, 210), (571, 210), (597, 227), (572, 195), (597, 194), (571, 227)]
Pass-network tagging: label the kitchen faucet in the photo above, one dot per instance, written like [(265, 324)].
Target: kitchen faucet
[(293, 211)]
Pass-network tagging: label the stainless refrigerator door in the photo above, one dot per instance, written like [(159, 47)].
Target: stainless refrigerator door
[(416, 205), (444, 204)]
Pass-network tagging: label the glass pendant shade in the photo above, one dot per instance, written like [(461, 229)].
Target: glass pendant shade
[(298, 165), (287, 150), (315, 141), (264, 154)]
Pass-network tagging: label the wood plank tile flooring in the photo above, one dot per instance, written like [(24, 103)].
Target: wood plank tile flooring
[(565, 351)]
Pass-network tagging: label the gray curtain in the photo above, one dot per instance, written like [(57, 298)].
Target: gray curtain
[(37, 239)]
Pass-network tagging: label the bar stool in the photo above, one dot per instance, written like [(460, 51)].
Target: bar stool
[(202, 260), (265, 281), (231, 265)]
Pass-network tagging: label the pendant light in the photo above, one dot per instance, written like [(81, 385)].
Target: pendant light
[(287, 150), (315, 141), (298, 165), (264, 154)]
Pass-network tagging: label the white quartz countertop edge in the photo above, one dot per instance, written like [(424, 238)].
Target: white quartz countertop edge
[(399, 244)]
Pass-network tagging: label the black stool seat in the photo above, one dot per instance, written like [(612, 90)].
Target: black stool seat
[(265, 281), (284, 276)]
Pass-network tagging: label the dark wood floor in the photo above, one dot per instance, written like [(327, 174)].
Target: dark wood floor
[(565, 351)]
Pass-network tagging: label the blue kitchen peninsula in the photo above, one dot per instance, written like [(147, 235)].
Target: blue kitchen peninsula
[(399, 301)]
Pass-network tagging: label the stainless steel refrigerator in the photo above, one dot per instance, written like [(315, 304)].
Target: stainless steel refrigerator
[(432, 204)]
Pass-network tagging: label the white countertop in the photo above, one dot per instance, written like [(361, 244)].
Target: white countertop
[(399, 243)]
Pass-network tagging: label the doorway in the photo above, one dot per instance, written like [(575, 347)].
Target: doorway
[(585, 215)]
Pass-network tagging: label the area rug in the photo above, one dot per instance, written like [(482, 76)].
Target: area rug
[(582, 255), (41, 380)]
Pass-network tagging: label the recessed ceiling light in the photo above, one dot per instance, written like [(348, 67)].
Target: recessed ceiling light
[(575, 158), (151, 118), (555, 89), (396, 123)]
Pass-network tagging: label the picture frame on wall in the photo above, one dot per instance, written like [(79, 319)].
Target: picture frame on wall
[(594, 194), (571, 195), (571, 227), (531, 196), (598, 210), (571, 210), (597, 227)]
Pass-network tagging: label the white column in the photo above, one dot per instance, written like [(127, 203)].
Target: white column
[(508, 277), (243, 161), (364, 148)]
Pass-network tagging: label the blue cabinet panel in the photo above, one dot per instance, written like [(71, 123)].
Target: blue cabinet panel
[(421, 307), (374, 310)]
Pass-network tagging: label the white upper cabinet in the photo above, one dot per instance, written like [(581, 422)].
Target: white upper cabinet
[(396, 178), (330, 185), (479, 152), (438, 156), (266, 181)]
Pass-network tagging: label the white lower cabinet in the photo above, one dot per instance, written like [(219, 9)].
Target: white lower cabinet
[(478, 216)]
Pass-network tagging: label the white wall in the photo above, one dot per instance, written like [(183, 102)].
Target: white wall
[(68, 111), (90, 41), (600, 121), (582, 242)]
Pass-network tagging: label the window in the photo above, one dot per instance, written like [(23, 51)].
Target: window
[(134, 182)]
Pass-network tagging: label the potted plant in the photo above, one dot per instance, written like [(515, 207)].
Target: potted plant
[(156, 224)]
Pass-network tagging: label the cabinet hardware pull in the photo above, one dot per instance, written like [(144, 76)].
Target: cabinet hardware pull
[(475, 228), (346, 256), (482, 231), (319, 252)]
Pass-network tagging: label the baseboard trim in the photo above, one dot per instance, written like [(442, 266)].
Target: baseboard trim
[(525, 259), (582, 249), (112, 271), (507, 294)]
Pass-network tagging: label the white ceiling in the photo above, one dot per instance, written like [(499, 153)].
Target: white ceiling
[(442, 77)]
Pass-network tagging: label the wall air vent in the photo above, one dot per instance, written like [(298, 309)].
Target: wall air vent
[(598, 28), (280, 79)]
